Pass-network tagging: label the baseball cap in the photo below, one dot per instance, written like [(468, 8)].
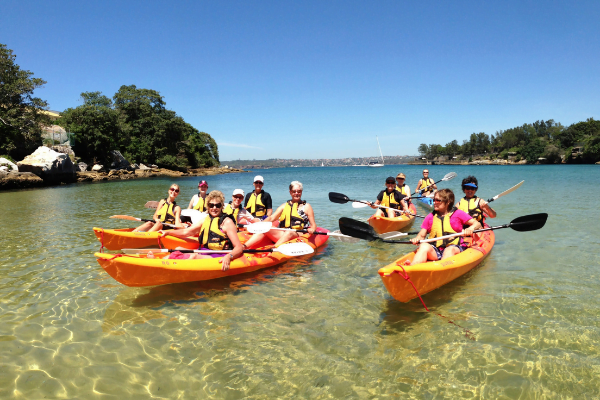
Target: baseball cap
[(203, 183), (259, 178), (390, 179), (238, 191)]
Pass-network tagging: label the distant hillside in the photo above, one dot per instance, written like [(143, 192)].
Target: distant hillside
[(328, 162)]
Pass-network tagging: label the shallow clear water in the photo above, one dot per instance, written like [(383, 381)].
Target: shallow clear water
[(320, 327)]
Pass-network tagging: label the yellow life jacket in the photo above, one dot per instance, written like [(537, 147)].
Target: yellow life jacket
[(291, 218), (229, 210), (389, 200), (423, 183), (472, 207), (256, 206), (167, 212), (210, 235), (402, 190), (200, 204), (442, 227)]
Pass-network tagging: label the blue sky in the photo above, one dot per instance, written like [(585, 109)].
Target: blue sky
[(321, 79)]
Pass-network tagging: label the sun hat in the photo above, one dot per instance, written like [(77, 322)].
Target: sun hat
[(238, 191), (471, 185), (401, 175), (259, 178)]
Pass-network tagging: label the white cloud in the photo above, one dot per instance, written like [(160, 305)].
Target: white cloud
[(246, 146)]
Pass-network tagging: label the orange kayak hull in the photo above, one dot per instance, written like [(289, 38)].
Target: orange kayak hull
[(137, 270), (117, 239), (385, 224), (433, 274)]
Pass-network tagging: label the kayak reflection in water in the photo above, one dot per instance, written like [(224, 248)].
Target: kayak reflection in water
[(443, 221), (294, 214), (167, 211), (390, 197), (473, 205), (216, 232)]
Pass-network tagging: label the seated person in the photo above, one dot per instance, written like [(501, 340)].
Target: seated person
[(473, 205), (235, 208), (198, 201), (259, 202), (167, 211), (390, 197), (444, 220), (426, 185)]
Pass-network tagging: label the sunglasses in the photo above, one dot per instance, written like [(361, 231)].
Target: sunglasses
[(174, 190), (295, 191), (258, 183), (240, 197), (468, 188), (437, 201), (399, 179), (390, 183), (214, 205)]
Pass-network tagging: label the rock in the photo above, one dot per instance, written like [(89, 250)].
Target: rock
[(154, 166), (65, 149), (133, 167), (51, 166), (143, 167), (19, 180), (98, 168), (118, 161), (82, 167), (9, 164)]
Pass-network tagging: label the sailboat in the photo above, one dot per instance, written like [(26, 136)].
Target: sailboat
[(376, 163)]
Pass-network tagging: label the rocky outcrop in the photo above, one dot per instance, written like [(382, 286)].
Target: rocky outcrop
[(82, 167), (98, 168), (51, 166), (10, 166), (19, 180), (118, 161)]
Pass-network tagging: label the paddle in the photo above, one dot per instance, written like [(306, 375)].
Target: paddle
[(447, 177), (151, 204), (287, 249), (343, 199), (512, 189), (139, 219), (264, 227), (357, 229)]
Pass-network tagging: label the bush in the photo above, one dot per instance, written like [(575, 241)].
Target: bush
[(9, 158), (503, 155)]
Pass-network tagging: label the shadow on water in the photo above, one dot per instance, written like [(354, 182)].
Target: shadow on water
[(398, 317), (139, 305)]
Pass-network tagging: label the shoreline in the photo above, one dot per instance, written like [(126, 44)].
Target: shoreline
[(28, 180)]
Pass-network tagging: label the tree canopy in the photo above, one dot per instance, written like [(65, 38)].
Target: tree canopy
[(21, 116), (137, 123), (541, 139)]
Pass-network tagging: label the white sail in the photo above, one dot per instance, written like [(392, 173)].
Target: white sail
[(375, 163)]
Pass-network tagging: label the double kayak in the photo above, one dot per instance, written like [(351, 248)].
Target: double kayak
[(138, 270), (116, 239), (432, 274), (386, 224)]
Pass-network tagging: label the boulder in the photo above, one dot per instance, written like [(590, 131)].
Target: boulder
[(98, 168), (133, 167), (143, 167), (118, 161), (51, 166), (82, 167), (153, 166), (9, 164), (19, 180)]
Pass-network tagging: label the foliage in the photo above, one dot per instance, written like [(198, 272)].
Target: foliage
[(21, 117), (137, 123), (532, 151), (591, 151)]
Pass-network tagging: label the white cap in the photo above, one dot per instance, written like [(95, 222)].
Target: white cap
[(259, 178), (238, 191)]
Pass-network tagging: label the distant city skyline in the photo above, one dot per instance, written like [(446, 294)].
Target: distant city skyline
[(322, 79)]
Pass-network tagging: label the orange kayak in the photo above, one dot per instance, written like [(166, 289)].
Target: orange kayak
[(137, 270), (385, 224), (433, 274), (117, 239)]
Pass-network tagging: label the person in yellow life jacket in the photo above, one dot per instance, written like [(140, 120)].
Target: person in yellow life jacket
[(216, 232), (167, 211), (259, 202), (402, 187), (444, 220), (426, 185), (235, 208), (198, 201), (294, 214), (473, 205), (389, 197)]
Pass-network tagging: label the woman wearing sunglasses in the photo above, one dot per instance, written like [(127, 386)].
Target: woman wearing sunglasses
[(218, 231), (235, 208), (167, 211), (473, 205), (444, 220), (294, 214)]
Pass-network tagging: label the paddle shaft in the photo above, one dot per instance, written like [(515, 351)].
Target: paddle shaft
[(512, 189), (127, 217), (314, 233)]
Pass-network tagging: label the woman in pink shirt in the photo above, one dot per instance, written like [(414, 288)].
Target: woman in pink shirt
[(444, 220)]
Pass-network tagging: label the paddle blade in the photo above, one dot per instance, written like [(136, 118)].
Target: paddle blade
[(195, 215), (449, 175), (357, 229), (125, 217), (294, 249), (342, 238), (259, 227), (338, 198), (151, 204), (528, 223), (356, 204)]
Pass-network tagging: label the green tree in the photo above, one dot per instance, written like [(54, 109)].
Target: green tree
[(423, 149), (21, 117), (533, 150)]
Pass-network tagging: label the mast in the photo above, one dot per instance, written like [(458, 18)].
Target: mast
[(380, 153)]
